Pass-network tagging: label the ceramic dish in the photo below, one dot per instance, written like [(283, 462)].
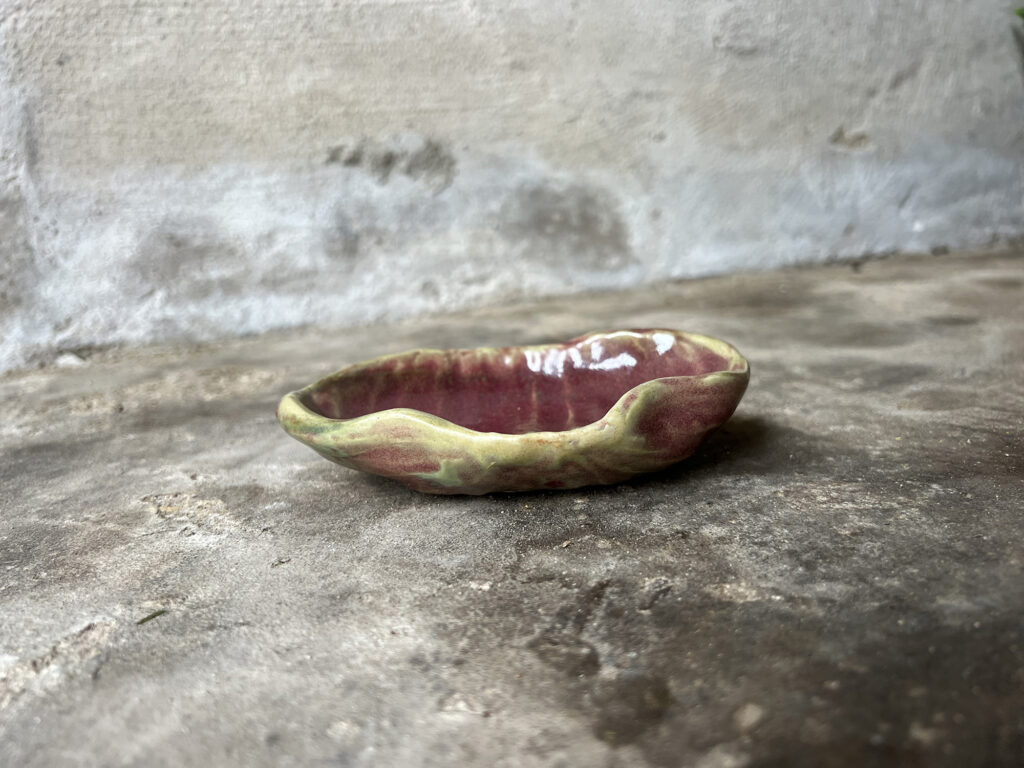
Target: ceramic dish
[(594, 410)]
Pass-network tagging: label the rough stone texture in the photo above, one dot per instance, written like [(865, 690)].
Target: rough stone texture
[(195, 170), (837, 579)]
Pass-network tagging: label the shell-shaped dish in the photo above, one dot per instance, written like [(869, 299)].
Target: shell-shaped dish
[(595, 410)]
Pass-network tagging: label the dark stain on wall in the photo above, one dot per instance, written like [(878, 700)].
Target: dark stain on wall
[(568, 221), (432, 162), (16, 266), (187, 257), (343, 238)]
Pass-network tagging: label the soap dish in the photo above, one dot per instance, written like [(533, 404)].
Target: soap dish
[(594, 410)]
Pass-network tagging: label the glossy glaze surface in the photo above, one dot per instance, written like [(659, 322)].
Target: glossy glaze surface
[(515, 390), (594, 410)]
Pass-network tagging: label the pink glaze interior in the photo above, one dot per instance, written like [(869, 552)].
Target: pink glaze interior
[(518, 389)]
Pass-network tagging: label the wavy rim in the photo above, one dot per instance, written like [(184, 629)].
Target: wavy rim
[(291, 412)]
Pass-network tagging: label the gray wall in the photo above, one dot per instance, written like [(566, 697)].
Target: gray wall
[(197, 169)]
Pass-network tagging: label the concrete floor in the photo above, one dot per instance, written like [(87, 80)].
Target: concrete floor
[(836, 579)]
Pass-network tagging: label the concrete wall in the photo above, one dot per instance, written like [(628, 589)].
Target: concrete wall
[(195, 169)]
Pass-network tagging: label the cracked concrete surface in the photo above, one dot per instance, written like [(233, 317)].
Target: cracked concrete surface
[(836, 579)]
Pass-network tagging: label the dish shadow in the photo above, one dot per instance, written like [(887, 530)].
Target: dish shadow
[(743, 440)]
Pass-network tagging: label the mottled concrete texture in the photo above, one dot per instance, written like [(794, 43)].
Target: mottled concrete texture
[(198, 170), (837, 579)]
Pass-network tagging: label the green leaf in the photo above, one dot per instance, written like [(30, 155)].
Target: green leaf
[(1020, 12)]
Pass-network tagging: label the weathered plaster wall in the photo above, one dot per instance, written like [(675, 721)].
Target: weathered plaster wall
[(192, 170)]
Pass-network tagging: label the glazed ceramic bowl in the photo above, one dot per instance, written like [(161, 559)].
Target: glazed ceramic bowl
[(594, 410)]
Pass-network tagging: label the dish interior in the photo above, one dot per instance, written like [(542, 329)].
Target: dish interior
[(517, 389)]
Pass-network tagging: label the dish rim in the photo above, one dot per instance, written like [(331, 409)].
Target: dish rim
[(292, 411)]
